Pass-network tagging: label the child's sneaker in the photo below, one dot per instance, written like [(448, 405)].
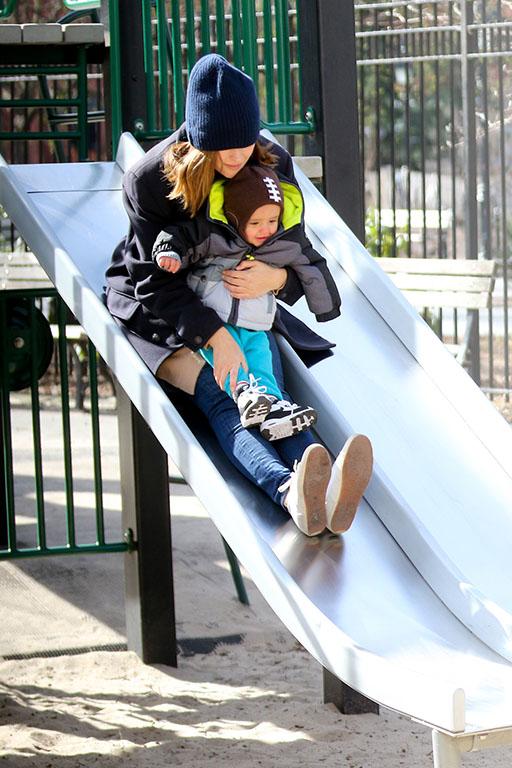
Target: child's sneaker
[(286, 419), (253, 402)]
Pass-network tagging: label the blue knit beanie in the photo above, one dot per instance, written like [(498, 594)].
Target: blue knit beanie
[(221, 110)]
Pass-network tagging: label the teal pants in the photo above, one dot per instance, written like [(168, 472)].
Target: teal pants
[(255, 346)]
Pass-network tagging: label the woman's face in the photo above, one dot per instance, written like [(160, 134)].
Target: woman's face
[(229, 161)]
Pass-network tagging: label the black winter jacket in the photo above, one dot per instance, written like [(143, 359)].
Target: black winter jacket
[(159, 306)]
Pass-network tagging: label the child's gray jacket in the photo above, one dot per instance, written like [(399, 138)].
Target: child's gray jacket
[(208, 245)]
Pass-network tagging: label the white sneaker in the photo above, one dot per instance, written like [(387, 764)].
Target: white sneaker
[(350, 475), (307, 486), (253, 402), (286, 419)]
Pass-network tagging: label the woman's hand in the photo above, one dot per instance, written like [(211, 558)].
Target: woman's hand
[(227, 358), (253, 278)]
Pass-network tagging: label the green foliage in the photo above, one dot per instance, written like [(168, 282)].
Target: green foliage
[(382, 240), (33, 11)]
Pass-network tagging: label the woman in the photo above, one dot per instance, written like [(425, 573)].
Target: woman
[(167, 323)]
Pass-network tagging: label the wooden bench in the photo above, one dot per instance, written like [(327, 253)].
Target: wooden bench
[(435, 283), (447, 284), (20, 270)]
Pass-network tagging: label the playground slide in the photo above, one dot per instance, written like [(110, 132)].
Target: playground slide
[(443, 480), (365, 604)]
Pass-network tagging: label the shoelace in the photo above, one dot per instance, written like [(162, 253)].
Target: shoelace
[(286, 485), (285, 405), (259, 389)]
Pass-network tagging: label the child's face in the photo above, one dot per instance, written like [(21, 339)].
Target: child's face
[(262, 224)]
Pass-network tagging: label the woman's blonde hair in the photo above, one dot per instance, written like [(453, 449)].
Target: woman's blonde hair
[(191, 172)]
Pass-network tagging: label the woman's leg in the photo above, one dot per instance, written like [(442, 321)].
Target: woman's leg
[(253, 456), (290, 449), (270, 465), (302, 491), (295, 473)]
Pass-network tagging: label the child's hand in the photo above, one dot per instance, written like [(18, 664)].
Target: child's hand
[(168, 263)]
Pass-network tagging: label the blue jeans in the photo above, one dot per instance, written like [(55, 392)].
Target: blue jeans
[(266, 464)]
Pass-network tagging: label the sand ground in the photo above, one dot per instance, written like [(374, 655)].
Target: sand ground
[(72, 696)]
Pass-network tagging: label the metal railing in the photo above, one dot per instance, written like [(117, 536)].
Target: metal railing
[(28, 348), (6, 8), (261, 37), (52, 101), (435, 90)]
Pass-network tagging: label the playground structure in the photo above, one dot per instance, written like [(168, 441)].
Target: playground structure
[(403, 630), (413, 630)]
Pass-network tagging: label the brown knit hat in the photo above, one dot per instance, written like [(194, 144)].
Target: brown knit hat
[(252, 187)]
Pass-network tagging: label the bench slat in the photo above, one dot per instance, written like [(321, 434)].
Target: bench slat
[(10, 34), (416, 218), (34, 273), (51, 33), (452, 283), (74, 333), (438, 266), (446, 299), (85, 34), (48, 33)]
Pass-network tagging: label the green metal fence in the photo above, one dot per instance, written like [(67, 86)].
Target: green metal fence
[(31, 345), (6, 8), (259, 36), (57, 102)]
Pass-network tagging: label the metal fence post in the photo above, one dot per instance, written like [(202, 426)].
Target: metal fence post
[(126, 80), (4, 539), (467, 45), (344, 698), (149, 593), (329, 85), (445, 750)]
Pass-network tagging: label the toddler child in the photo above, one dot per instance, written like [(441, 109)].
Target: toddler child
[(252, 216)]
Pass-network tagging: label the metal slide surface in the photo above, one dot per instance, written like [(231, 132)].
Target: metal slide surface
[(356, 602), (443, 482)]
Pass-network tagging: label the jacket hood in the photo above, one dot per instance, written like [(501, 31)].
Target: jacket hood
[(293, 204)]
